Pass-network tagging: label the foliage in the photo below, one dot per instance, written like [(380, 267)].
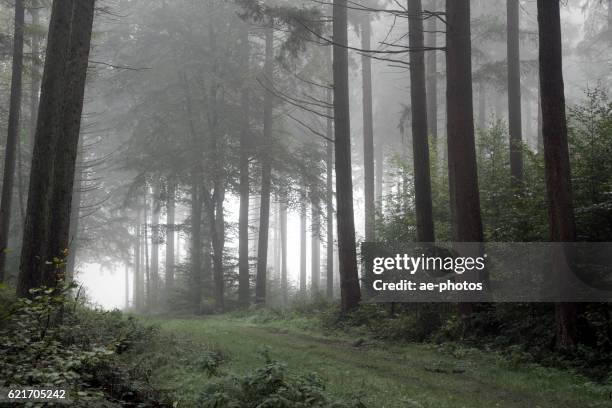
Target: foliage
[(52, 340), (270, 386)]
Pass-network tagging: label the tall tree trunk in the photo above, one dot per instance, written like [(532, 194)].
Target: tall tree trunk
[(315, 247), (283, 231), (155, 284), (420, 143), (244, 189), (463, 175), (217, 225), (303, 220), (137, 285), (266, 173), (196, 242), (368, 129), (329, 201), (379, 151), (145, 242), (556, 151), (432, 76), (12, 135), (350, 292), (170, 236), (46, 231), (514, 93)]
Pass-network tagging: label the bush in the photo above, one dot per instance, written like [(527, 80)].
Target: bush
[(270, 387), (53, 340)]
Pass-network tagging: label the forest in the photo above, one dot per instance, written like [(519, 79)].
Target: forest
[(189, 189)]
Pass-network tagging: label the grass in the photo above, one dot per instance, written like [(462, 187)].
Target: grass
[(381, 375)]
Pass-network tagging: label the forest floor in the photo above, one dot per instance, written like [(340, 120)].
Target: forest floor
[(381, 375)]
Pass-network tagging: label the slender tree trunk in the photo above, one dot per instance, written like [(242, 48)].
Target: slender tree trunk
[(350, 292), (420, 143), (380, 162), (12, 138), (329, 201), (463, 176), (514, 93), (556, 151), (137, 285), (46, 231), (315, 247), (170, 236), (283, 228), (243, 222), (303, 221), (368, 130), (432, 76), (145, 242), (196, 242), (217, 225), (155, 284), (266, 174)]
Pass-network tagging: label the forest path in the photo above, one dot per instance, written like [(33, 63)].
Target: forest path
[(381, 375)]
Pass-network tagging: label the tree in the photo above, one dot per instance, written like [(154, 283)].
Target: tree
[(266, 172), (170, 234), (462, 171), (46, 230), (368, 129), (303, 221), (350, 293), (329, 200), (514, 93), (315, 247), (418, 96), (12, 134), (244, 187), (432, 76), (556, 152)]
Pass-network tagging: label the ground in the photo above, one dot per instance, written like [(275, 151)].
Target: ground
[(381, 375)]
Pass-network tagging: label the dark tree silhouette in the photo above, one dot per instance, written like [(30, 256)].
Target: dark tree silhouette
[(556, 152), (418, 96), (350, 292)]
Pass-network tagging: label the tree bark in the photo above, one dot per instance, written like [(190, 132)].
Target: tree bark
[(170, 236), (12, 138), (514, 94), (329, 201), (266, 174), (155, 284), (196, 242), (315, 246), (137, 286), (420, 142), (556, 151), (303, 220), (368, 130), (463, 175), (46, 231), (350, 292), (432, 76)]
